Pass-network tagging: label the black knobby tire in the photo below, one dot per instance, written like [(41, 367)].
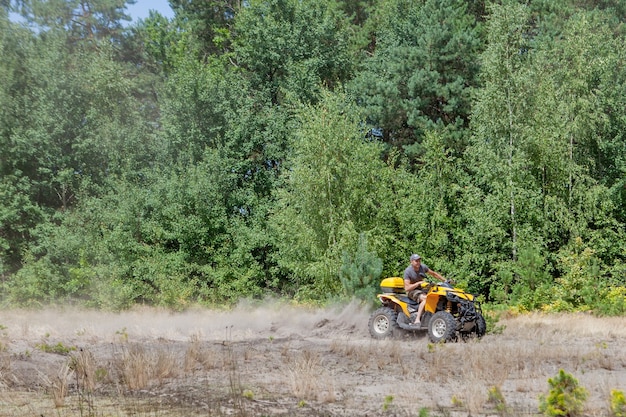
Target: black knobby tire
[(383, 323), (481, 325), (442, 327)]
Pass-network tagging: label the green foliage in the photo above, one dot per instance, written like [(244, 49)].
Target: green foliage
[(337, 188), (293, 48), (611, 301), (59, 348), (215, 155), (618, 403), (84, 21), (492, 318), (579, 284), (200, 100), (534, 177), (208, 21), (566, 397), (499, 179), (526, 281), (35, 284), (19, 215), (429, 210), (360, 273), (388, 402), (421, 74)]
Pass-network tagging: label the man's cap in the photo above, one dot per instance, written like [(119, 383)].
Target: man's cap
[(415, 257)]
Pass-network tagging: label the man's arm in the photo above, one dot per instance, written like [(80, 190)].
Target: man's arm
[(436, 275), (408, 286)]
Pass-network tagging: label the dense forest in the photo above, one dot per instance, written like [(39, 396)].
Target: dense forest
[(304, 149)]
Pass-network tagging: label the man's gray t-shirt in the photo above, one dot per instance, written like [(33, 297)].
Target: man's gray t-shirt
[(411, 274)]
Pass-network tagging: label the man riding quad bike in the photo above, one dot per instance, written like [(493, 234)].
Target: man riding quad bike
[(449, 313)]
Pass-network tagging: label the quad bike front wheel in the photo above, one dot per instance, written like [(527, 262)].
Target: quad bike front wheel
[(481, 325), (383, 323), (442, 327)]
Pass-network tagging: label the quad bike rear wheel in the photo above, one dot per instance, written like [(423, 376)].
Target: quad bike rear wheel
[(442, 327), (383, 323)]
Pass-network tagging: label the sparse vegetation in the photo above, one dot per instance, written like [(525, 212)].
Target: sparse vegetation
[(496, 398), (457, 401), (330, 367), (387, 402), (58, 348), (424, 412), (123, 334)]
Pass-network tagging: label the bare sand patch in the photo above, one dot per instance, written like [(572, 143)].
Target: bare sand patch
[(277, 359)]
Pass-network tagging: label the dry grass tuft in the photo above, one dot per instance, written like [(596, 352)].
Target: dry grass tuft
[(474, 393), (303, 372), (308, 378), (84, 365), (194, 354), (166, 365), (5, 369), (135, 367), (5, 358), (59, 387), (197, 357), (138, 367)]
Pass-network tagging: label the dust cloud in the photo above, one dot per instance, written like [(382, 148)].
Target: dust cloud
[(270, 319)]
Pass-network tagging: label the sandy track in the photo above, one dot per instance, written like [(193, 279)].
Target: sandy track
[(280, 360)]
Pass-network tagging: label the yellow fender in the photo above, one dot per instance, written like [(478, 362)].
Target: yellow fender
[(394, 299), (437, 291)]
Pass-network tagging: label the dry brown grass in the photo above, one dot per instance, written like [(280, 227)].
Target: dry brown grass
[(303, 373), (308, 377), (84, 365), (139, 367), (134, 366), (5, 369), (325, 373), (194, 354), (59, 385), (166, 365)]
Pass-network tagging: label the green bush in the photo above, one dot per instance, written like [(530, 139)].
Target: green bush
[(618, 403), (612, 301), (360, 273), (566, 397)]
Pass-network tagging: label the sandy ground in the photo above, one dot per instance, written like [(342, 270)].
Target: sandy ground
[(278, 360)]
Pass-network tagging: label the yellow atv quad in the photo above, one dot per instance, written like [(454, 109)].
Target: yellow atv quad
[(449, 312)]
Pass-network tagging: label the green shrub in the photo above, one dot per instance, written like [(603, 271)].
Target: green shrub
[(424, 412), (33, 285), (492, 318), (497, 399), (360, 273), (612, 301), (565, 398), (577, 288), (59, 348), (618, 403)]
